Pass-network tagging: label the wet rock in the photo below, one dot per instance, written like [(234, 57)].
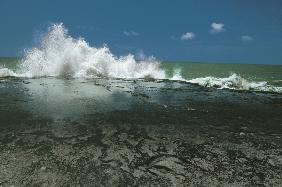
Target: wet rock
[(271, 162)]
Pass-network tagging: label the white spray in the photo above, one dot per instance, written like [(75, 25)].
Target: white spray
[(62, 55)]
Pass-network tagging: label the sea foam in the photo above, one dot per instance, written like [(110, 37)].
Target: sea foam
[(5, 72), (60, 55), (235, 82)]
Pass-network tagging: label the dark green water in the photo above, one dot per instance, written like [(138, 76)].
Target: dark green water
[(191, 70), (9, 62), (252, 72)]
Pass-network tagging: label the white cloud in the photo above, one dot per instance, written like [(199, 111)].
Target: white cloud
[(130, 33), (246, 38), (188, 36), (217, 28)]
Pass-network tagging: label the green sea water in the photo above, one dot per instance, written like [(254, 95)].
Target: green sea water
[(253, 72), (191, 70)]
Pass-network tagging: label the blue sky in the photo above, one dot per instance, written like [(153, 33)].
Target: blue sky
[(233, 31)]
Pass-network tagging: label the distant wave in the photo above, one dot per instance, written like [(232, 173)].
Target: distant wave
[(5, 72), (60, 55), (235, 82)]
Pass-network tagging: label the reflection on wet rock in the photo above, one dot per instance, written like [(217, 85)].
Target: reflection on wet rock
[(107, 132)]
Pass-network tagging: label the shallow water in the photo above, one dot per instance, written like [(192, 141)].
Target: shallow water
[(137, 132)]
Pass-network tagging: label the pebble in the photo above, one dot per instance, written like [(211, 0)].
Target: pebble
[(242, 134), (271, 162)]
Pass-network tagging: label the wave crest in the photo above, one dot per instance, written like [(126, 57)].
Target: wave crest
[(5, 72), (235, 82), (62, 55)]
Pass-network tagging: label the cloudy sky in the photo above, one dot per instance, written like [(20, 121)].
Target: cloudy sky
[(233, 31)]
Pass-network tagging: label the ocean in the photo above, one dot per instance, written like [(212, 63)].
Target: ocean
[(72, 114)]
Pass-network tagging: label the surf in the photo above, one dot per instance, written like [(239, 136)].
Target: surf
[(60, 55)]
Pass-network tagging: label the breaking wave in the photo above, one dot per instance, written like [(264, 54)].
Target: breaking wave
[(60, 55), (5, 72), (235, 82)]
